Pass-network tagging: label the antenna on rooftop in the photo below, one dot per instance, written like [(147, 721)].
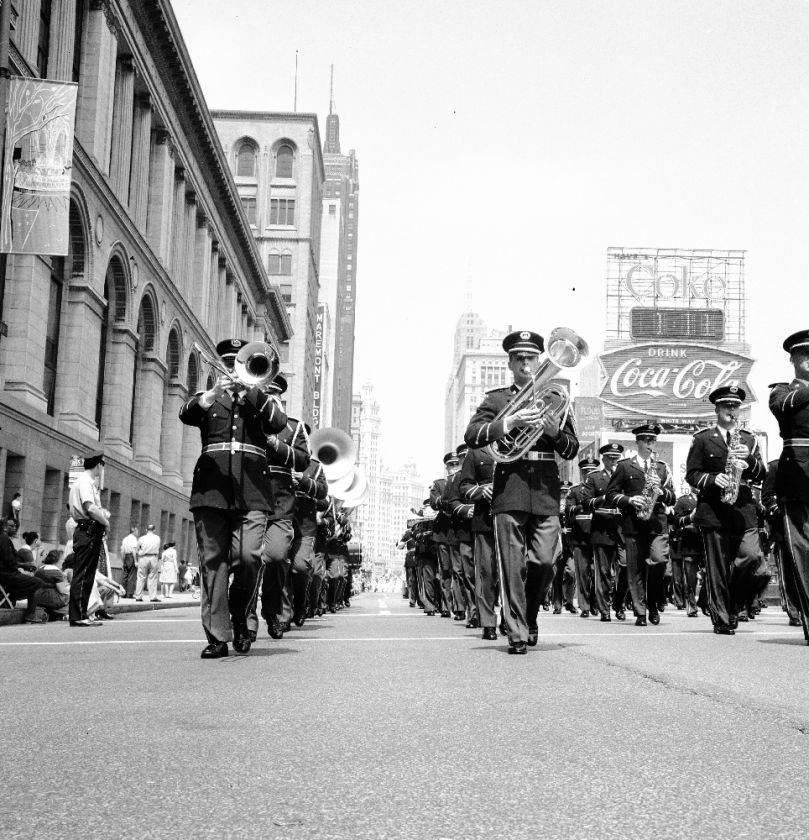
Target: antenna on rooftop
[(295, 101), (331, 91)]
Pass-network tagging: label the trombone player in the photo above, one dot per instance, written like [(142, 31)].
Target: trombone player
[(525, 491), (230, 494)]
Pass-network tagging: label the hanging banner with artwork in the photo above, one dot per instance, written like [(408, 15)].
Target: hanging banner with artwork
[(37, 163)]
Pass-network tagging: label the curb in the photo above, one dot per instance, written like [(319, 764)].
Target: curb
[(17, 614)]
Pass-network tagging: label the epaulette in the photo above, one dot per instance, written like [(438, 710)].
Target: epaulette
[(702, 431), (776, 384), (495, 390)]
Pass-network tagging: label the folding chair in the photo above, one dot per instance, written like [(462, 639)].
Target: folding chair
[(5, 599)]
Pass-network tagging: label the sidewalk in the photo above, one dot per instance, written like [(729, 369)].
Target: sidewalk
[(124, 605)]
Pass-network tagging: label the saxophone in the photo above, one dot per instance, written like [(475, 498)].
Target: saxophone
[(651, 490), (733, 470)]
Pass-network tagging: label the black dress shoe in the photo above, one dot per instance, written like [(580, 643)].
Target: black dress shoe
[(585, 614), (274, 629), (490, 634), (432, 612), (640, 621), (741, 617), (654, 616), (724, 630), (103, 614), (570, 608), (605, 617), (502, 628), (459, 617), (252, 635), (620, 615), (215, 650), (546, 607), (751, 614), (557, 610), (518, 647), (299, 619), (794, 622), (286, 626), (691, 614), (444, 614), (347, 603), (469, 625), (533, 636)]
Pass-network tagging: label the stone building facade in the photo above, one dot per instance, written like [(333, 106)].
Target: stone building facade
[(102, 347), (278, 166)]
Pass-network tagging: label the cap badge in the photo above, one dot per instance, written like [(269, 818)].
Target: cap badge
[(525, 335)]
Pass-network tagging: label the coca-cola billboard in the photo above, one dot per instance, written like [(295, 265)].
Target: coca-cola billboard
[(669, 381)]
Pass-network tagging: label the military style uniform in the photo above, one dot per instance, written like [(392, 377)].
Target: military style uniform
[(563, 585), (442, 537), (476, 474), (646, 541), (579, 520), (729, 531), (310, 488), (686, 554), (464, 551), (230, 500), (525, 509)]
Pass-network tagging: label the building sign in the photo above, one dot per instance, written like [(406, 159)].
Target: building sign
[(669, 381), (318, 377), (37, 163)]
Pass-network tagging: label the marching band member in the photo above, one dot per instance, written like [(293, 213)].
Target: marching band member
[(579, 521), (464, 553), (563, 584), (686, 553), (722, 458), (641, 487), (605, 537), (525, 496), (442, 536), (789, 402), (476, 485), (325, 528), (230, 499)]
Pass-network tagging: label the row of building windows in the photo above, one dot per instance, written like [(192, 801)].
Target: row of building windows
[(247, 160)]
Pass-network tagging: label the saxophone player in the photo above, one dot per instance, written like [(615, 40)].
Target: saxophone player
[(640, 488), (722, 462), (525, 492)]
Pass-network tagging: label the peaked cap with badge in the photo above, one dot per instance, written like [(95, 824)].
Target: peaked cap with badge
[(230, 346), (728, 394), (797, 341), (523, 341), (647, 429), (611, 449)]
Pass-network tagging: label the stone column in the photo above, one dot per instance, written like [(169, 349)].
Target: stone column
[(178, 229), (27, 34), (140, 163), (25, 310), (60, 48), (117, 409), (95, 96), (171, 434), (161, 196), (122, 112), (149, 414), (79, 357), (189, 241), (213, 283), (229, 313), (200, 287)]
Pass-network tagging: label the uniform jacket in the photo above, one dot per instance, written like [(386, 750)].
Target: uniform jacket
[(527, 486), (605, 527), (707, 458), (312, 485), (443, 531), (325, 525), (287, 451), (459, 510), (477, 471), (769, 502), (789, 402), (577, 517), (686, 539), (238, 480), (629, 480)]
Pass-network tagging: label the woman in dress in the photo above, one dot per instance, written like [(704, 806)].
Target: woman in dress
[(53, 597), (28, 551), (168, 570)]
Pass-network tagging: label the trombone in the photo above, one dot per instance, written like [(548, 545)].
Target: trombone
[(255, 366)]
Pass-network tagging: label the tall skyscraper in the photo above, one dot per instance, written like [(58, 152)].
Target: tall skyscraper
[(338, 275)]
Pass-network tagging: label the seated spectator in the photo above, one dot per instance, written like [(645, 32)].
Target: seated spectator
[(55, 593), (26, 553), (105, 590), (17, 583)]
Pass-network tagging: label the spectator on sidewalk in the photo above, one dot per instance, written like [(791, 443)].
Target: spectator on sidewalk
[(148, 564), (168, 570), (55, 593), (27, 552), (129, 557), (182, 571), (16, 510), (17, 583)]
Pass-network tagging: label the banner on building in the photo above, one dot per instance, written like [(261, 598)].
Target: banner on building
[(37, 164), (669, 381), (317, 379)]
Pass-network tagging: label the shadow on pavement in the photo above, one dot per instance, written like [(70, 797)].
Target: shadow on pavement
[(799, 641), (540, 648), (260, 651)]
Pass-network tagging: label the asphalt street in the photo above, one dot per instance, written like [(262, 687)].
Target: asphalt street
[(382, 722)]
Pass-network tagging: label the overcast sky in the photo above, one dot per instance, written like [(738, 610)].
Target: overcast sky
[(503, 146)]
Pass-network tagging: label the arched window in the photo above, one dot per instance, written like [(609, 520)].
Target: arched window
[(246, 160), (145, 343), (284, 159), (192, 375), (173, 356)]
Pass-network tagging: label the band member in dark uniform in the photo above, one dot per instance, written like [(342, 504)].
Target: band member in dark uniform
[(579, 520), (641, 487), (686, 553), (525, 495), (476, 486), (442, 533), (230, 499), (427, 563), (789, 402), (605, 537), (325, 528), (462, 512), (722, 457), (563, 584)]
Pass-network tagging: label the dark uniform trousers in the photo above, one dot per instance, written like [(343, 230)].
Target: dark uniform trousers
[(684, 581), (445, 571), (787, 585), (430, 585), (466, 551), (228, 541), (563, 584), (583, 560), (276, 602), (487, 579), (646, 557), (302, 557), (411, 579), (621, 583), (604, 566), (87, 546), (525, 544), (796, 556), (458, 594), (731, 582)]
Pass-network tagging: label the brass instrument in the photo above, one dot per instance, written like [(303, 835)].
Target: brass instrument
[(565, 350), (255, 365), (651, 489), (733, 469), (337, 452)]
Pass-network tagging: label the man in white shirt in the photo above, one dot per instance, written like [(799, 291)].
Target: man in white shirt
[(129, 557), (148, 564)]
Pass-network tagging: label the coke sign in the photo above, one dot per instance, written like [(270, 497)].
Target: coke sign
[(669, 380)]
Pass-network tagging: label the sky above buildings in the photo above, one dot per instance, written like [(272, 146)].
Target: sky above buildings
[(504, 146)]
